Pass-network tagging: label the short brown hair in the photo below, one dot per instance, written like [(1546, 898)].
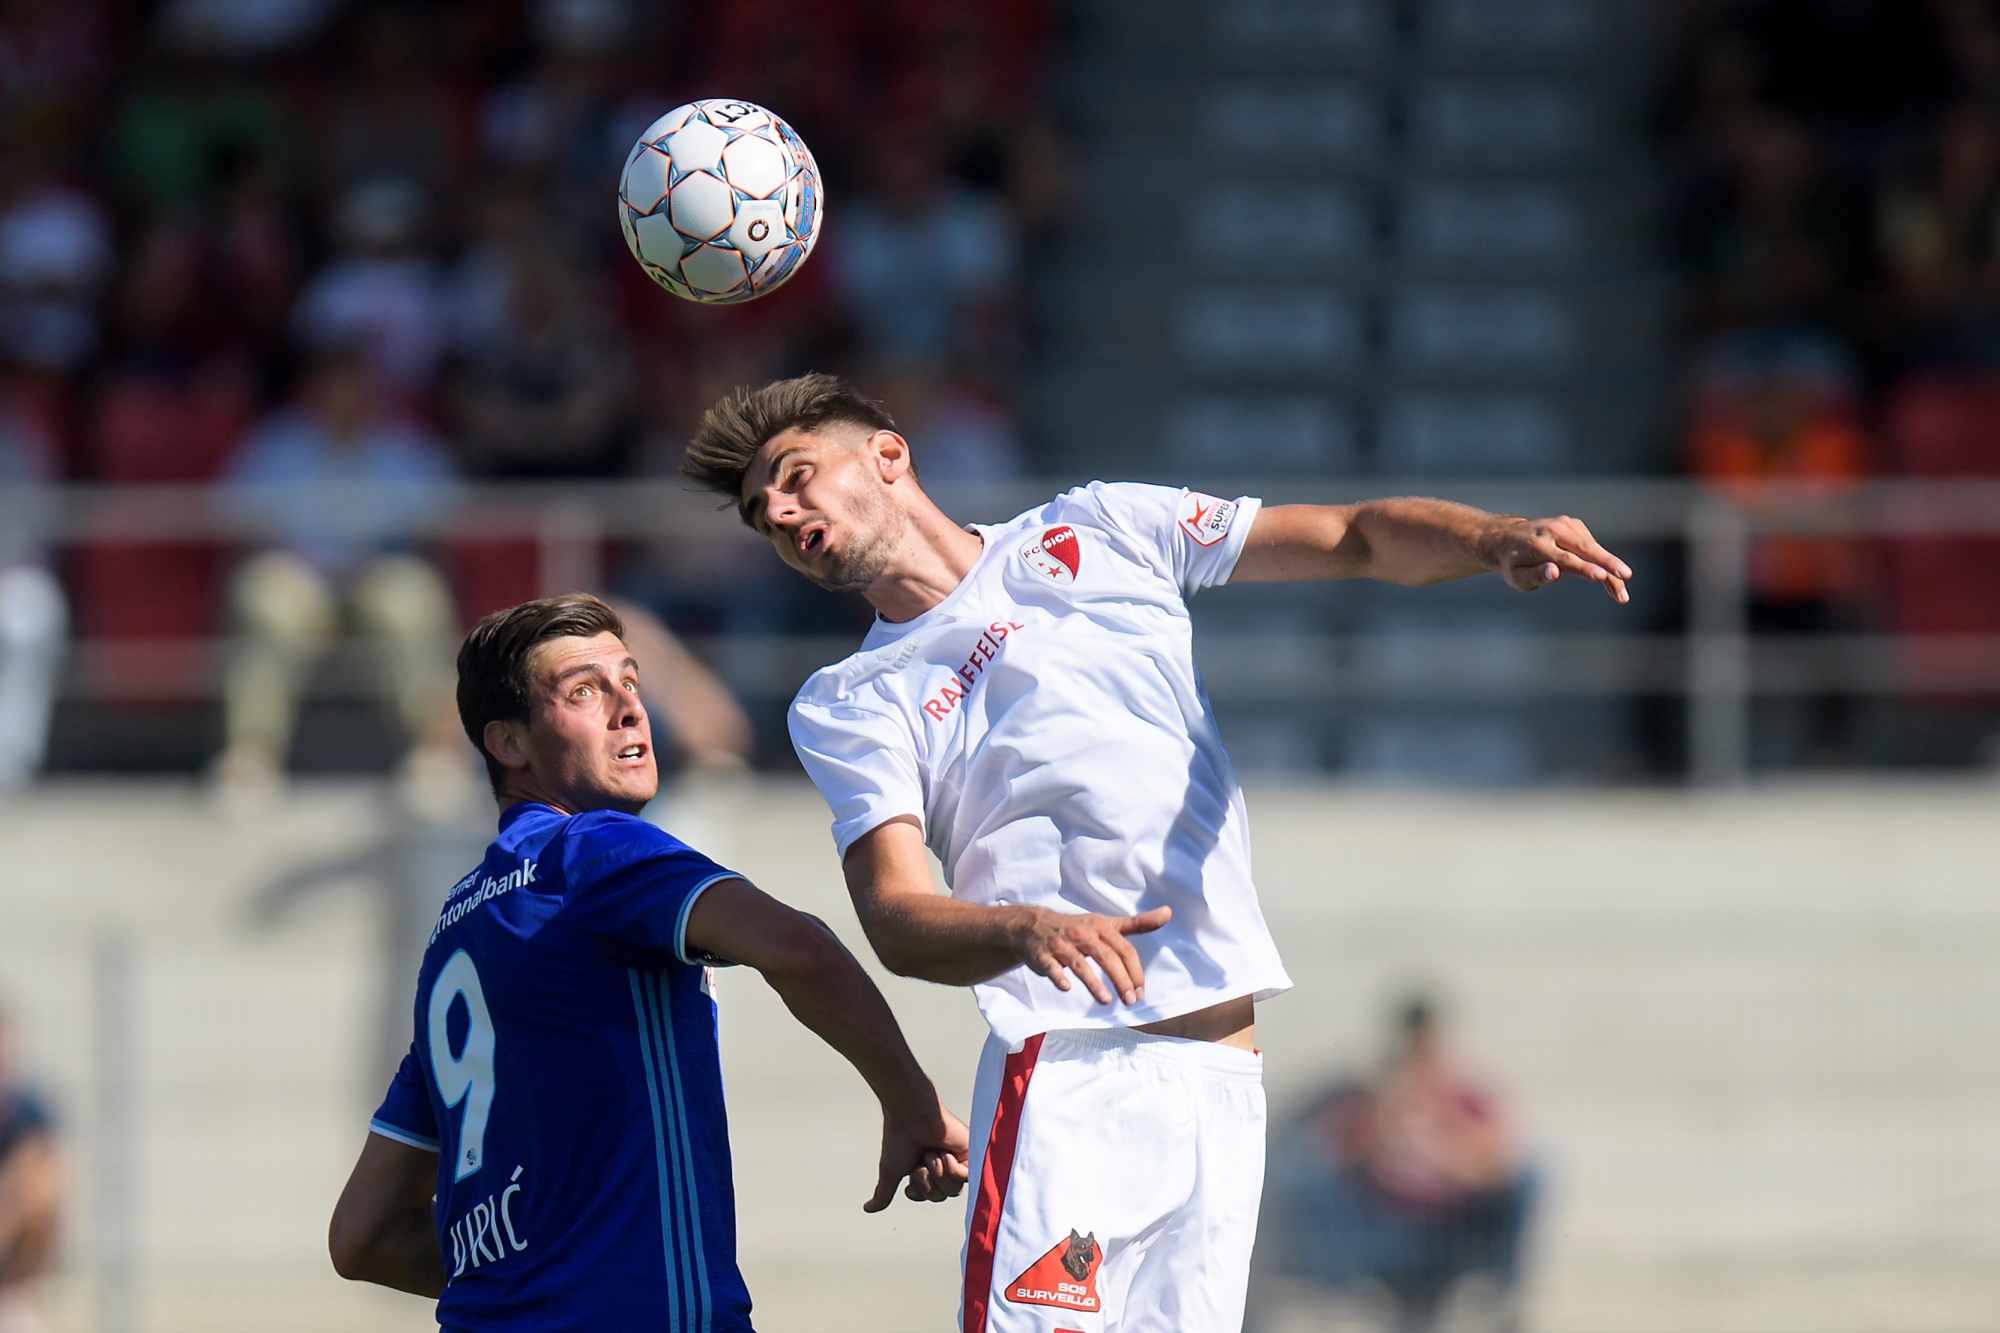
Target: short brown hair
[(745, 421), (493, 680)]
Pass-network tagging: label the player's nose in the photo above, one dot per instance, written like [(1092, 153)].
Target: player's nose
[(782, 509), (630, 712)]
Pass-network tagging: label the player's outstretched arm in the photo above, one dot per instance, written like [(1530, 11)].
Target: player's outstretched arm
[(384, 1230), (826, 990), (918, 932), (1416, 541)]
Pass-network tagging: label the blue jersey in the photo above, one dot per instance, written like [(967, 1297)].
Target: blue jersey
[(565, 1070)]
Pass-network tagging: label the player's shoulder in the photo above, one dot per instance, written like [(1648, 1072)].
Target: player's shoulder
[(1097, 503), (862, 684), (596, 835), (600, 845)]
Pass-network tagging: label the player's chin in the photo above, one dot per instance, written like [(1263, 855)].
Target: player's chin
[(633, 778)]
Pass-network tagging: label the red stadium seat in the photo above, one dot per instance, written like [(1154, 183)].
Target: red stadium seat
[(488, 573), (1945, 424), (151, 429)]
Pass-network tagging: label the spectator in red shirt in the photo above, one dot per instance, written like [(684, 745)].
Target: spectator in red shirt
[(1412, 1186)]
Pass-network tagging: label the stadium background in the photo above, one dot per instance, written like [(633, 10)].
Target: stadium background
[(1702, 877)]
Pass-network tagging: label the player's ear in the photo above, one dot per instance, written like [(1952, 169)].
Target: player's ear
[(892, 454), (507, 742)]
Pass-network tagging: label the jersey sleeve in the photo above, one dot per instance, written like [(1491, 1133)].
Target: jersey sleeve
[(1198, 537), (405, 1115), (631, 887), (862, 758)]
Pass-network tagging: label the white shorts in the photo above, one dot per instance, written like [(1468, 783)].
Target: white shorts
[(1117, 1176)]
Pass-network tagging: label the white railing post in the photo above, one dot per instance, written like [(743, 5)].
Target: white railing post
[(1718, 661), (114, 1149)]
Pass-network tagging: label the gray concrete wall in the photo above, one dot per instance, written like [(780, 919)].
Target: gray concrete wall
[(1755, 1038)]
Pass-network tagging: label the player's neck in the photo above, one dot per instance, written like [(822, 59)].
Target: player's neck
[(933, 559)]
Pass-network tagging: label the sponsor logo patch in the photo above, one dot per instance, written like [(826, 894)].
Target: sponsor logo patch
[(1056, 553), (1205, 519), (1065, 1277), (942, 704)]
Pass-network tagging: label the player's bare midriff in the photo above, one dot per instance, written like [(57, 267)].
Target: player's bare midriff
[(1231, 1023)]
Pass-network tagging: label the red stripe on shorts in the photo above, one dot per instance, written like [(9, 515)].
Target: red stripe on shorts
[(993, 1175)]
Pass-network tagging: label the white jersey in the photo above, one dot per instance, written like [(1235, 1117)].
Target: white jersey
[(1046, 726)]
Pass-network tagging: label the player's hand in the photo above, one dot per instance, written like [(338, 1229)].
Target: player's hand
[(1533, 552), (1093, 948), (932, 1150)]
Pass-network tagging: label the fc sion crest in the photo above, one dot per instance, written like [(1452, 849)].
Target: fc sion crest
[(1056, 554)]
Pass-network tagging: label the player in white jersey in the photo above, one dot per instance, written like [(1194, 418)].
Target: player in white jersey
[(1027, 706)]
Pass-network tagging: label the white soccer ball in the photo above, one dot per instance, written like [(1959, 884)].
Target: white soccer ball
[(720, 201)]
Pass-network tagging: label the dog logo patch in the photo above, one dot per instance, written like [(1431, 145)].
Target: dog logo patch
[(1056, 554), (1065, 1277), (1205, 519)]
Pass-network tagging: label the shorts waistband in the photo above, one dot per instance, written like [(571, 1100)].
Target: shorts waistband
[(1211, 1058)]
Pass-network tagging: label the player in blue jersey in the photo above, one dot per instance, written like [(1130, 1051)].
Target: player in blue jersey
[(553, 1155)]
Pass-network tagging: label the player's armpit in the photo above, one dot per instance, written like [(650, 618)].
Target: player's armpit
[(384, 1229)]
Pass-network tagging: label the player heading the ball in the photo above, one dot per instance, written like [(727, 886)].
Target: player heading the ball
[(1026, 705), (553, 1153)]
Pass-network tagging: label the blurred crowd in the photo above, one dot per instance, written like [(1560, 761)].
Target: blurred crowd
[(277, 243), (1402, 1200), (1837, 216), (31, 1190)]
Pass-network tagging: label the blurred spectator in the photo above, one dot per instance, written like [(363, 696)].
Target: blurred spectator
[(30, 1191), (549, 120), (54, 56), (395, 117), (976, 72), (1413, 1183), (55, 252), (381, 290), (1769, 233), (34, 621), (1780, 405), (185, 121), (336, 477), (241, 29), (1939, 235), (923, 267), (549, 392)]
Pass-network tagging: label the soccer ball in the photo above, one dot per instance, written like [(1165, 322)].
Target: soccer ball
[(720, 201)]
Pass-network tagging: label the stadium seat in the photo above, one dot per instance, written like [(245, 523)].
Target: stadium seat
[(488, 573), (156, 429), (1945, 424)]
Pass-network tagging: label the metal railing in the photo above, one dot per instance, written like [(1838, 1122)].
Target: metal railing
[(1717, 665)]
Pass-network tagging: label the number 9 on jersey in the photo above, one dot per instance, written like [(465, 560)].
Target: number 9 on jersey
[(468, 1076)]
